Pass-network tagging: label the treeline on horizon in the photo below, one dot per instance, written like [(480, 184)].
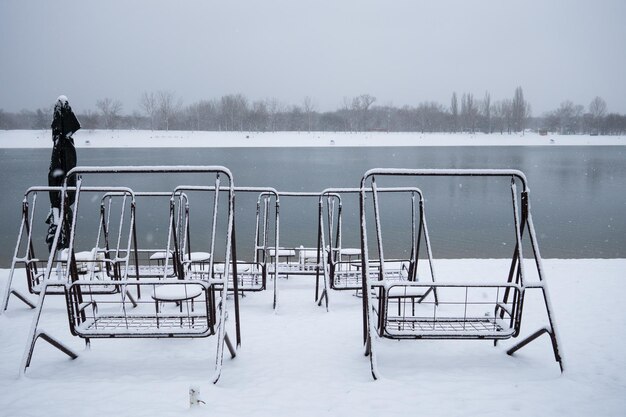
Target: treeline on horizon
[(164, 110)]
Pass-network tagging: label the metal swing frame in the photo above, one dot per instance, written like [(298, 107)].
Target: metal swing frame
[(35, 268), (261, 262), (251, 275), (347, 275), (83, 312), (150, 263), (505, 319), (303, 255)]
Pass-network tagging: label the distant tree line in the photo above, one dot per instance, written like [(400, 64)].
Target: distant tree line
[(164, 110)]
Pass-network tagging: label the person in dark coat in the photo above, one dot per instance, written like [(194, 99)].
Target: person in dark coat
[(63, 159)]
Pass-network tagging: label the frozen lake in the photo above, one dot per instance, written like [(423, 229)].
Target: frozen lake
[(577, 193)]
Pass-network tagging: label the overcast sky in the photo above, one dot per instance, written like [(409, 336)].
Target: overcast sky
[(401, 52)]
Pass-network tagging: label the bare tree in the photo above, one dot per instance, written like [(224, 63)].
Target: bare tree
[(309, 110), (360, 106), (89, 120), (568, 117), (454, 110), (259, 116), (295, 119), (234, 109), (3, 120), (486, 111), (167, 107), (274, 108), (109, 111), (502, 115), (191, 115), (520, 110), (597, 108), (148, 103), (347, 114), (469, 112)]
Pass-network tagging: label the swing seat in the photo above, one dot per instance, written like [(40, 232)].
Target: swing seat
[(448, 328), (305, 263), (179, 308), (251, 276), (347, 275), (459, 311)]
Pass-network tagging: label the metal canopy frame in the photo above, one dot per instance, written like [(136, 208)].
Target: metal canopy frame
[(506, 306), (215, 314)]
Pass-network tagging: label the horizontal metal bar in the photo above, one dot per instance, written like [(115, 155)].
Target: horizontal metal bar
[(165, 169), (447, 173)]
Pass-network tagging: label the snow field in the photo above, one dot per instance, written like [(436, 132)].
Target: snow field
[(171, 139), (303, 360)]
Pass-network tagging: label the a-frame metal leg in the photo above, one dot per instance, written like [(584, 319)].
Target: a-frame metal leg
[(20, 296), (231, 348), (54, 343), (35, 334), (534, 336)]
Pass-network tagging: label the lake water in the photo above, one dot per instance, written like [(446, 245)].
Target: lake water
[(578, 194)]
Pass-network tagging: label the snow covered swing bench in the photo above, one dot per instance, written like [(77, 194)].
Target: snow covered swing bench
[(468, 304), (186, 300)]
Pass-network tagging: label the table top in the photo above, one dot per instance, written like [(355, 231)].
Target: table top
[(177, 292)]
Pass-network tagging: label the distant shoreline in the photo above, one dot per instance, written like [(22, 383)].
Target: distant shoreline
[(11, 139)]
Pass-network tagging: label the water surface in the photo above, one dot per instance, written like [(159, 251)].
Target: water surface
[(577, 193)]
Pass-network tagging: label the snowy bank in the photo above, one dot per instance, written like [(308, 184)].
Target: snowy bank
[(305, 361), (175, 139)]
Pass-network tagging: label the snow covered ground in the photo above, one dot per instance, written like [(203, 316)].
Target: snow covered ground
[(302, 360), (147, 138)]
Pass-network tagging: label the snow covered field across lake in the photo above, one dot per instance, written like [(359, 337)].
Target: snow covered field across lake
[(172, 139), (304, 361)]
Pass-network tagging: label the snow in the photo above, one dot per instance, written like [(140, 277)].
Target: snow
[(163, 139), (305, 361)]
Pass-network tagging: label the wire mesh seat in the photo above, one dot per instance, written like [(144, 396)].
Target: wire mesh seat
[(184, 309)]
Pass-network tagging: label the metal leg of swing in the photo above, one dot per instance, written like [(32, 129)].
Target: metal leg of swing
[(231, 349), (131, 298), (22, 298), (321, 298), (54, 343), (534, 336)]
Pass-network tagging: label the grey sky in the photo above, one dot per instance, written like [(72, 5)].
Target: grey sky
[(402, 52)]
